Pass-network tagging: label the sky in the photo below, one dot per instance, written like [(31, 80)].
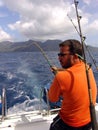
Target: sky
[(22, 20)]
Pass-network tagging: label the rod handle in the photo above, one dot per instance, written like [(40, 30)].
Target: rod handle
[(93, 117)]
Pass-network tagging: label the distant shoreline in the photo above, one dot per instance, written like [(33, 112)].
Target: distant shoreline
[(29, 46)]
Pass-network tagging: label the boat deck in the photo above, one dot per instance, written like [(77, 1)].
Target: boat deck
[(27, 121)]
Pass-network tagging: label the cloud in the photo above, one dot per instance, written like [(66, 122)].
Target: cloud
[(91, 2), (4, 36), (1, 3), (87, 1), (92, 29), (43, 19), (40, 18)]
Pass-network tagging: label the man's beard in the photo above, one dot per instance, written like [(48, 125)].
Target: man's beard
[(68, 64)]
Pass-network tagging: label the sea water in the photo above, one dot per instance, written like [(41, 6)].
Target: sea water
[(24, 75)]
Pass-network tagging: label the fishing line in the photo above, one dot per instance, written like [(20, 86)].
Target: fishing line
[(54, 72), (94, 61), (45, 56)]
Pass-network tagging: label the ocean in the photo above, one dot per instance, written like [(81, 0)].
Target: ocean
[(24, 75)]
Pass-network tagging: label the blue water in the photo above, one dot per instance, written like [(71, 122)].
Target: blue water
[(24, 75)]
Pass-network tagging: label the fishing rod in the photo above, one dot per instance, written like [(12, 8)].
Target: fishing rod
[(94, 61), (45, 56), (92, 107)]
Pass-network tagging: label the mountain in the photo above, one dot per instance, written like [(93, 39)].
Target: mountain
[(28, 46), (31, 45)]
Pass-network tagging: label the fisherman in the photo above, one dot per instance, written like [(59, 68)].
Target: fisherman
[(71, 84)]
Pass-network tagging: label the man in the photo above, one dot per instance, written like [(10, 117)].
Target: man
[(71, 84)]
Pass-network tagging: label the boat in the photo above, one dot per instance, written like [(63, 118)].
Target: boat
[(37, 119), (30, 120)]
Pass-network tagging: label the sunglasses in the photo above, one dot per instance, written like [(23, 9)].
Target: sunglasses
[(63, 54)]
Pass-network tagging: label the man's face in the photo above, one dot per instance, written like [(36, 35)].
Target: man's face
[(65, 57)]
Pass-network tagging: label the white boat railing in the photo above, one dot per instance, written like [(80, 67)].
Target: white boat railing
[(47, 111), (4, 104)]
